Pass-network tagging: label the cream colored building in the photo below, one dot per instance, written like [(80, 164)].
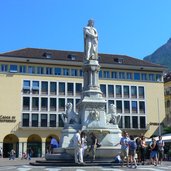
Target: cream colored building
[(35, 85)]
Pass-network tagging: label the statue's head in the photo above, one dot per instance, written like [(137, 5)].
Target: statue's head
[(91, 22), (69, 106), (112, 108)]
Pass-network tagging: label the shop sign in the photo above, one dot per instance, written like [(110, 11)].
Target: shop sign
[(6, 118)]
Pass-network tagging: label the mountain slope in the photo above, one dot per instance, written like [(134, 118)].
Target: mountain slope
[(161, 56)]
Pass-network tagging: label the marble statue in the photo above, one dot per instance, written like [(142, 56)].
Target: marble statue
[(112, 116), (90, 41), (70, 117), (94, 115)]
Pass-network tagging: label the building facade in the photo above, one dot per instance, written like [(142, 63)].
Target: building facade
[(36, 84)]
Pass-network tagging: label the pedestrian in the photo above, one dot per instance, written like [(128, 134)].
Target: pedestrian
[(143, 149), (160, 144), (138, 151), (132, 151), (1, 153), (12, 154), (154, 151), (124, 147), (29, 153), (77, 146), (53, 144), (82, 148)]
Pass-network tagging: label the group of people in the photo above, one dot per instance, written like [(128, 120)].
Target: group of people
[(131, 147), (81, 143)]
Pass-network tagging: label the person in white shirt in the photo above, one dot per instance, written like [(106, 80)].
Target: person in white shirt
[(160, 144), (77, 146), (82, 148)]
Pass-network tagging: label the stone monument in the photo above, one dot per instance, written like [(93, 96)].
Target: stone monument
[(91, 116)]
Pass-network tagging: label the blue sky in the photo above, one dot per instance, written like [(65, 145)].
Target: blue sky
[(127, 27)]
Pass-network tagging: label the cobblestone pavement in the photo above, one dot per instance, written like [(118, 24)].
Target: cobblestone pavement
[(23, 165)]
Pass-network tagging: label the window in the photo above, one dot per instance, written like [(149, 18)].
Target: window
[(106, 74), (60, 121), (70, 89), (44, 104), (110, 90), (44, 89), (126, 107), (25, 122), (4, 68), (126, 91), (129, 75), (26, 86), (134, 107), (43, 120), (114, 75), (35, 120), (136, 76), (100, 74), (26, 103), (58, 71), (31, 69), (144, 76), (61, 104), (52, 104), (22, 69), (35, 103), (61, 88), (142, 122), (81, 72), (40, 70), (118, 91), (49, 70), (119, 106), (158, 77), (127, 122), (134, 122), (70, 101), (121, 75), (53, 88), (151, 77), (74, 72), (13, 68), (142, 107), (52, 120), (103, 89), (65, 71), (141, 92), (121, 122), (78, 89), (133, 91), (35, 87)]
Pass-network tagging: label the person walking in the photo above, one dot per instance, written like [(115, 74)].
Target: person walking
[(1, 153), (160, 144), (77, 146), (29, 153), (132, 151), (124, 147), (143, 149), (12, 154), (154, 151)]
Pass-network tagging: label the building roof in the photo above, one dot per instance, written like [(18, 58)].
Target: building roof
[(35, 53)]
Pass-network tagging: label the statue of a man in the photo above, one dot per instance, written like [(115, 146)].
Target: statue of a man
[(90, 41)]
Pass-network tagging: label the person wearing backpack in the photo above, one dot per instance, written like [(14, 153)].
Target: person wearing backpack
[(132, 151), (160, 144)]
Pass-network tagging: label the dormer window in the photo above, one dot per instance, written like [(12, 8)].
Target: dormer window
[(48, 55), (118, 60), (72, 57)]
